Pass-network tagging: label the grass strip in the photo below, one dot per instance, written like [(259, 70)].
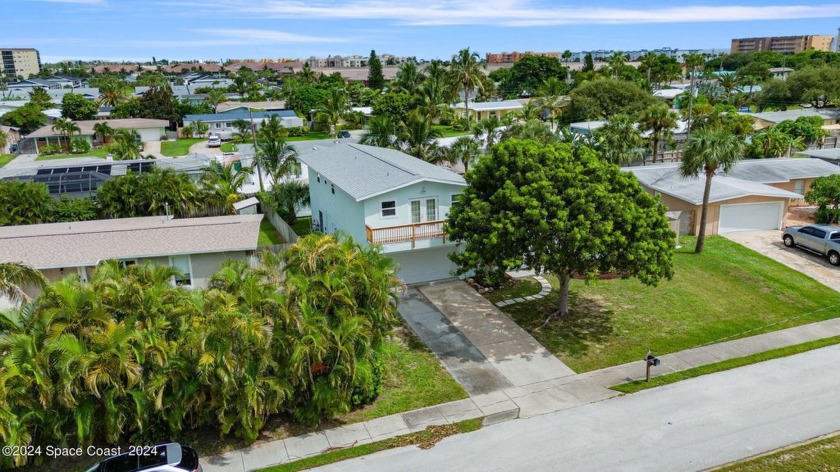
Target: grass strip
[(822, 453), (425, 439), (638, 385)]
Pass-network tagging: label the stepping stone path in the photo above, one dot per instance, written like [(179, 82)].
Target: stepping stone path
[(544, 290)]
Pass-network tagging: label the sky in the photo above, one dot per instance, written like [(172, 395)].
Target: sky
[(137, 30)]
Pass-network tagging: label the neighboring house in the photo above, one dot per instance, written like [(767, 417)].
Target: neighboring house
[(734, 204), (57, 95), (780, 73), (226, 107), (383, 196), (793, 174), (148, 129), (831, 156), (82, 176), (668, 94), (767, 119), (194, 246), (480, 110), (219, 122)]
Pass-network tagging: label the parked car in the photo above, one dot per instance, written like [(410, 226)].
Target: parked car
[(171, 457), (214, 141), (822, 239), (344, 134), (744, 109)]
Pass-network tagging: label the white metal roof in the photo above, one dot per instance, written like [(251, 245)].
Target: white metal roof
[(667, 180), (491, 106), (779, 116), (366, 171), (770, 171)]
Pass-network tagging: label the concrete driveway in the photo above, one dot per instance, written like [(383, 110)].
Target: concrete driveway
[(770, 244)]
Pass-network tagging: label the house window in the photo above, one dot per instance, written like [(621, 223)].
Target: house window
[(127, 262), (332, 188), (318, 177), (415, 211), (218, 125), (228, 125), (183, 265), (388, 209), (431, 209), (799, 186)]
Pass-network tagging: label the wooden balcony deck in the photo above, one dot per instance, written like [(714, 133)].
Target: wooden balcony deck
[(406, 233)]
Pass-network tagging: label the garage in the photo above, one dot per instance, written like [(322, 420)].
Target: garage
[(750, 216), (424, 265)]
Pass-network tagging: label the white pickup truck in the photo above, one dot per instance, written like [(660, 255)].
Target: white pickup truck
[(822, 239)]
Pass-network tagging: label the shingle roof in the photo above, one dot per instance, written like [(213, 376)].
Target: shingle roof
[(667, 180), (769, 171), (85, 243), (366, 171), (239, 115), (86, 126)]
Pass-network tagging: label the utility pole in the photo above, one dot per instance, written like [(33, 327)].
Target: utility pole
[(690, 103), (256, 160)]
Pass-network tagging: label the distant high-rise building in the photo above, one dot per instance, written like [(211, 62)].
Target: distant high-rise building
[(783, 44), (20, 62), (510, 57)]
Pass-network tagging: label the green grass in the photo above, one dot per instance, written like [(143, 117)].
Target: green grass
[(101, 153), (822, 454), (448, 132), (638, 385), (228, 147), (302, 226), (726, 292), (515, 288), (5, 159), (179, 147), (268, 235), (424, 439)]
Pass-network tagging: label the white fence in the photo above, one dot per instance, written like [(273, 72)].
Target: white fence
[(280, 225)]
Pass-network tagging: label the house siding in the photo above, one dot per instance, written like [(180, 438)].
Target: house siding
[(713, 214), (340, 211)]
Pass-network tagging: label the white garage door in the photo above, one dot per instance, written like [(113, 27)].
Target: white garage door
[(424, 265), (150, 134), (750, 216)]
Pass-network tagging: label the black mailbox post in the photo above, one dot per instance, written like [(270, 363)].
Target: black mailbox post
[(650, 361)]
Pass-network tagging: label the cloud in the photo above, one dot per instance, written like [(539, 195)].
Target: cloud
[(510, 12), (268, 36)]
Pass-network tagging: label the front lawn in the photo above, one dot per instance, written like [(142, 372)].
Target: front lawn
[(100, 153), (448, 132), (228, 147), (179, 147), (820, 455), (5, 159), (515, 288), (268, 235), (311, 136), (725, 293), (302, 226)]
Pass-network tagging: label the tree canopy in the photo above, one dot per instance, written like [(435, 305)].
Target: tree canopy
[(560, 212), (76, 107), (603, 98)]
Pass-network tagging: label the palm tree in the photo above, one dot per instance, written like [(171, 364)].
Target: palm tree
[(243, 130), (773, 142), (616, 62), (215, 97), (550, 97), (419, 138), (382, 131), (15, 277), (103, 130), (223, 182), (619, 140), (728, 82), (124, 146), (407, 78), (277, 157), (111, 93), (199, 128), (67, 129), (486, 132), (660, 121), (709, 151), (566, 56), (289, 197), (333, 108), (464, 150), (466, 72)]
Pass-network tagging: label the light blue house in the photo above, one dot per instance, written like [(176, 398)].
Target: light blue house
[(383, 196)]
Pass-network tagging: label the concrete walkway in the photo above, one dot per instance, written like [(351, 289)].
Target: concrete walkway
[(545, 289)]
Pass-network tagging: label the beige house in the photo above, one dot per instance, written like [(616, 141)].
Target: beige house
[(481, 110), (194, 246), (149, 130), (768, 119)]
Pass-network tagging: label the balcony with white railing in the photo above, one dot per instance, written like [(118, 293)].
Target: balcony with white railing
[(410, 236)]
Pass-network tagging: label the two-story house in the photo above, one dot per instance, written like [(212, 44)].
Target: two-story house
[(383, 196)]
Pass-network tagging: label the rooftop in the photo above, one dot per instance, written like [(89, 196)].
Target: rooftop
[(367, 171), (86, 243), (779, 116), (490, 106), (86, 126), (830, 154), (667, 180), (770, 171), (240, 115)]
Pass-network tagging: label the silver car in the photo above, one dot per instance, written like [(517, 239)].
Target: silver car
[(822, 239), (170, 457)]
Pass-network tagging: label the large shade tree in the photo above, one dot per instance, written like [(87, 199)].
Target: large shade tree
[(571, 215), (708, 152)]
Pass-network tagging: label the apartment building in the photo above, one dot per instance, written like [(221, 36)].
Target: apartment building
[(20, 62), (783, 44), (511, 57)]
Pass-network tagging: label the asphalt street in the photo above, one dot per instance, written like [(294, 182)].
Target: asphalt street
[(687, 426)]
